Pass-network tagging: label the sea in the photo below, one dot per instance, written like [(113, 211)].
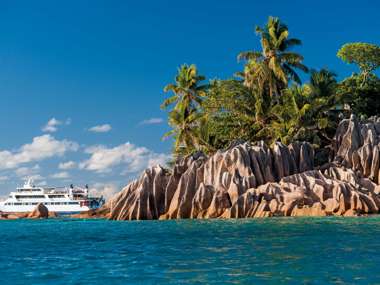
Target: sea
[(249, 251)]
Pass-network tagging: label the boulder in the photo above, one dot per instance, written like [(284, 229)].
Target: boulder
[(41, 211)]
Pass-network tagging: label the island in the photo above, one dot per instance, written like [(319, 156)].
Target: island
[(263, 143)]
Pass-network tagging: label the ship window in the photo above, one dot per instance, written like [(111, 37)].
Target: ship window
[(73, 203), (17, 204), (29, 196)]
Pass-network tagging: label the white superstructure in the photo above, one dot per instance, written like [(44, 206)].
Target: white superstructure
[(56, 199)]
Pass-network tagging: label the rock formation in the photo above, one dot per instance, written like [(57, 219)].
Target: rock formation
[(41, 211), (253, 180), (357, 146), (12, 216)]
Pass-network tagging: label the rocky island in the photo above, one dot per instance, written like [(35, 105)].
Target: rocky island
[(253, 180)]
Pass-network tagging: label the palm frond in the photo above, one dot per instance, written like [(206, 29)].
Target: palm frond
[(249, 55)]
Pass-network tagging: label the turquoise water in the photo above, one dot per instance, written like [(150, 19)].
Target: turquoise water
[(256, 251)]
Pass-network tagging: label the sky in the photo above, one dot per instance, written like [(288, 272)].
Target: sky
[(81, 82)]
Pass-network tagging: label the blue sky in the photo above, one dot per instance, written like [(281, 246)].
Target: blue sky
[(93, 63)]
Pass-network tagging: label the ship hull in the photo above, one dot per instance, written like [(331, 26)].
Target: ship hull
[(57, 207)]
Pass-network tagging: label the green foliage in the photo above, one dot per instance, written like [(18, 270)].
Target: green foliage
[(363, 98), (262, 106), (186, 89), (364, 55), (185, 115), (271, 69), (304, 112), (229, 106)]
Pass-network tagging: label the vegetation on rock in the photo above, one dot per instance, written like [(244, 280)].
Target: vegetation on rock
[(268, 101)]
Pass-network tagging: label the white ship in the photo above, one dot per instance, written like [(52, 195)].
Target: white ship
[(62, 200)]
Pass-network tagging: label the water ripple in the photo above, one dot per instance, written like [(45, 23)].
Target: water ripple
[(248, 251)]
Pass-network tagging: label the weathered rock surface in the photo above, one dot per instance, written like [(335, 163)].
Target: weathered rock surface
[(357, 146), (41, 211), (11, 216), (253, 180)]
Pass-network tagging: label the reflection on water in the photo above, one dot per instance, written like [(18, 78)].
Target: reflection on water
[(249, 251)]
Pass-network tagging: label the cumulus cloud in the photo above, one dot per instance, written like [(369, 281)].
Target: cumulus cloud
[(27, 171), (42, 147), (133, 158), (101, 128), (107, 190), (60, 175), (52, 125), (152, 121), (67, 165)]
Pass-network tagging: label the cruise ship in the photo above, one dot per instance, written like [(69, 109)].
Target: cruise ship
[(61, 200)]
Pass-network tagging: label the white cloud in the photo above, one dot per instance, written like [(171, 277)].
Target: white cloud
[(26, 171), (67, 165), (101, 128), (107, 190), (133, 158), (152, 121), (51, 125), (34, 177), (60, 175), (42, 147)]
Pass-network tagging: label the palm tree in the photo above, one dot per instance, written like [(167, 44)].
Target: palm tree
[(184, 130), (185, 116), (186, 89), (304, 112), (323, 82), (274, 67)]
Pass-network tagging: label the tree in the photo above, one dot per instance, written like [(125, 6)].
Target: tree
[(185, 130), (304, 112), (271, 69), (365, 56), (186, 115), (187, 90), (229, 109), (362, 95)]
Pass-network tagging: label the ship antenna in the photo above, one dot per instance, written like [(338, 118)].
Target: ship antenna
[(29, 182)]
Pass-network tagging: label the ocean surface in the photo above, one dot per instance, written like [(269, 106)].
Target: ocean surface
[(255, 251)]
